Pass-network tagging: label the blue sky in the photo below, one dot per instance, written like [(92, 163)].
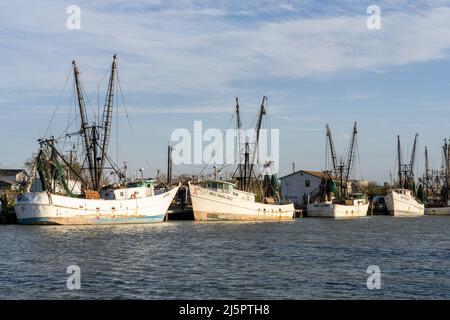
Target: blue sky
[(182, 61)]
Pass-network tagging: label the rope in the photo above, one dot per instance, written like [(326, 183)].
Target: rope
[(125, 107), (59, 103), (207, 164)]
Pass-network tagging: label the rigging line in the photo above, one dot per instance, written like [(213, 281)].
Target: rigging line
[(64, 133), (223, 138), (359, 159), (125, 107), (106, 73), (207, 164), (219, 169), (133, 133), (61, 155), (69, 122), (89, 102), (148, 163), (433, 159), (72, 103), (59, 102)]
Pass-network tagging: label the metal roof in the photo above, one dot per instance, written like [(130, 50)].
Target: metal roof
[(318, 174)]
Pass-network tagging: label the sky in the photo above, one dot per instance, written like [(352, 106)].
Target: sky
[(181, 61)]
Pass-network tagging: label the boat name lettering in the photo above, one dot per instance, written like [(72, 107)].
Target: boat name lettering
[(211, 193)]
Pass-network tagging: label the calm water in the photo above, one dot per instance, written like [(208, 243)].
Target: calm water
[(302, 259)]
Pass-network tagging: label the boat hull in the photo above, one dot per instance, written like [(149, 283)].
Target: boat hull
[(333, 210), (401, 205), (438, 211), (209, 205), (46, 208)]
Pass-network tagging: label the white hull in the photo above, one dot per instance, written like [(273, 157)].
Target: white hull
[(438, 211), (46, 208), (403, 205), (333, 210), (212, 205)]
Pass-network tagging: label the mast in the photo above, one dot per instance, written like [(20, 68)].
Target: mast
[(262, 112), (239, 127), (169, 165), (341, 179), (413, 157), (444, 159), (96, 169), (446, 167), (409, 171), (351, 154), (247, 171), (427, 172), (107, 119), (399, 156), (332, 149), (84, 125)]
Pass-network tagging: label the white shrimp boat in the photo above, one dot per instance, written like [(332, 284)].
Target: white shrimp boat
[(217, 200), (328, 209), (402, 203), (116, 206), (333, 202), (221, 201), (95, 201)]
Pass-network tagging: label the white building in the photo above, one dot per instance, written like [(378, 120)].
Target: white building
[(298, 185)]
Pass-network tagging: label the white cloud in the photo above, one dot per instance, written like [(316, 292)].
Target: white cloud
[(175, 50), (358, 96), (183, 56)]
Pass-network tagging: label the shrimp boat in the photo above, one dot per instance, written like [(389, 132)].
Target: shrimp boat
[(85, 199), (436, 185), (402, 201), (219, 200), (337, 196), (216, 200)]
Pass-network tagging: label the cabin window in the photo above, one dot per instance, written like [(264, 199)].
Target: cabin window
[(307, 183), (148, 185), (121, 194)]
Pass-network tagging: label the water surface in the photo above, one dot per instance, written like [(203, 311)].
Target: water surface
[(303, 259)]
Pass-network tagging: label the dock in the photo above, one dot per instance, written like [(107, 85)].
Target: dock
[(176, 213)]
